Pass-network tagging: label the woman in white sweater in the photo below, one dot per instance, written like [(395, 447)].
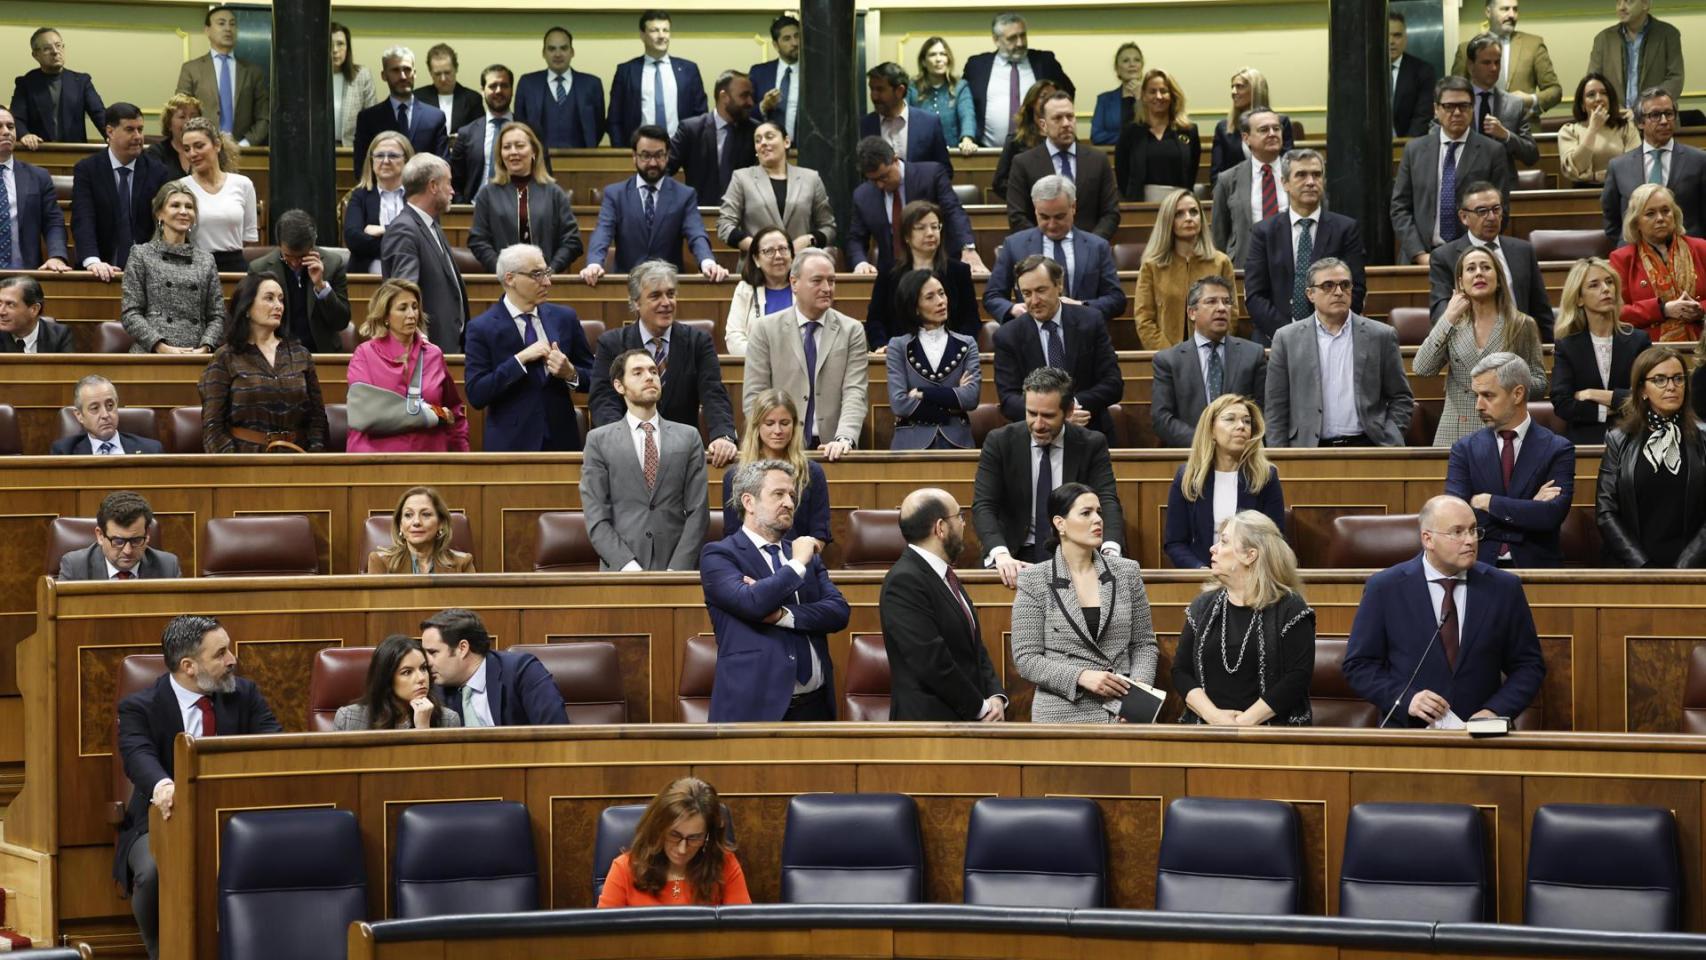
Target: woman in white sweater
[(228, 211)]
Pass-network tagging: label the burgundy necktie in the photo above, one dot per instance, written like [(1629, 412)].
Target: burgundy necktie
[(960, 595), (124, 575), (894, 226), (1270, 196), (1507, 463), (207, 725), (1448, 621), (651, 464), (1013, 96)]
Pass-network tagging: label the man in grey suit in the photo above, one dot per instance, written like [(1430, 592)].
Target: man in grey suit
[(414, 248), (1499, 115), (1185, 376), (1253, 190), (643, 479), (1483, 216), (121, 550), (1335, 379), (1423, 215), (1682, 168), (817, 354)]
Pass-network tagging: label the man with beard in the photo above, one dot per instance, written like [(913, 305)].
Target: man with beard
[(1525, 69), (200, 695), (999, 78), (474, 152), (772, 607), (648, 215)]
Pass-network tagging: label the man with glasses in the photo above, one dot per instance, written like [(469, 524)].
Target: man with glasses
[(648, 216), (891, 183), (1425, 192), (50, 101), (1443, 637), (1483, 217), (1294, 238), (1253, 189), (1659, 159), (121, 550), (1335, 379), (1189, 375)]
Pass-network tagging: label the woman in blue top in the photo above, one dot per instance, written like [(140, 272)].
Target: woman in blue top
[(1115, 108), (1227, 471), (938, 91), (773, 433)]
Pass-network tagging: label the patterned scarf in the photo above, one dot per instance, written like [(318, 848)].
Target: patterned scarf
[(1671, 278), (1663, 446)]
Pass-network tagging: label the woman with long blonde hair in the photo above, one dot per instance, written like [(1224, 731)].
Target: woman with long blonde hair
[(1161, 148), (521, 182), (421, 530), (1662, 267), (1180, 252), (774, 432), (1249, 90), (1594, 351), (1227, 471)]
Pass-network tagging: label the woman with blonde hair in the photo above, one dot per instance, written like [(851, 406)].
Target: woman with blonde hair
[(179, 110), (1180, 252), (1247, 648), (521, 183), (1481, 318), (1160, 149), (376, 199), (774, 432), (683, 853), (397, 357), (228, 209), (1227, 471), (1594, 351), (1116, 107), (935, 89), (172, 301), (1249, 89), (421, 529), (1025, 133), (1663, 268)]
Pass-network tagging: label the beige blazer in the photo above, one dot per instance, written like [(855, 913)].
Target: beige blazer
[(252, 99), (776, 357), (1531, 69), (1585, 159), (750, 205), (358, 96)]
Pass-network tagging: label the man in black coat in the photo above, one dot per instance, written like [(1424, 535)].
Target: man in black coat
[(1015, 66), (113, 194), (47, 115), (200, 695), (1411, 83), (716, 143), (1070, 338)]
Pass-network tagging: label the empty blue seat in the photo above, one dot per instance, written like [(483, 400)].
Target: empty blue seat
[(852, 848), (290, 884), (615, 832), (1414, 861), (1603, 867), (1036, 852), (474, 857), (1229, 856)]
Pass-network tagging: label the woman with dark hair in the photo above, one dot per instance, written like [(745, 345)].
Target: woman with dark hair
[(260, 393), (763, 288), (1116, 107), (1594, 351), (352, 86), (398, 695), (1160, 149), (1081, 627), (932, 372), (1651, 501), (921, 231), (936, 90), (775, 193), (1599, 132), (1663, 269), (420, 538), (682, 854), (1227, 471), (1025, 133), (773, 432), (520, 182)]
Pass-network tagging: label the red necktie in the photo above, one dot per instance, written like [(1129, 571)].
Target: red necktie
[(1270, 196), (124, 575), (1507, 463), (1448, 621), (651, 461), (207, 725), (960, 595), (521, 215), (894, 226)]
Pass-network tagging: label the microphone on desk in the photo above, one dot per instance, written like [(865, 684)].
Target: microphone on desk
[(1413, 674)]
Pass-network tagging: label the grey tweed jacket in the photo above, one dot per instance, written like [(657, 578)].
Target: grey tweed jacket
[(172, 293), (1052, 644)]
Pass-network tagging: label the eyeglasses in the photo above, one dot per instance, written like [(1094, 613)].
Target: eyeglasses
[(1659, 115), (776, 251), (1456, 106), (123, 542), (1491, 210), (1462, 536), (1334, 286), (537, 276), (652, 154), (1661, 380), (692, 840)]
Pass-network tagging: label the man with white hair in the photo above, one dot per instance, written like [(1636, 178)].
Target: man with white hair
[(1090, 279), (422, 123), (414, 248)]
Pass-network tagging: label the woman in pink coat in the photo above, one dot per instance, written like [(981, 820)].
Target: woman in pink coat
[(396, 340)]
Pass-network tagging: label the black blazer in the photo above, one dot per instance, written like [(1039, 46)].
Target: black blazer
[(468, 158), (1269, 271), (1044, 66), (100, 224), (465, 105), (327, 316), (1002, 501), (693, 381), (939, 668), (1131, 158), (1616, 506), (883, 324), (1413, 97), (1089, 358), (78, 446), (55, 338), (148, 722), (1098, 190), (32, 104), (1227, 150), (1574, 367), (694, 148)]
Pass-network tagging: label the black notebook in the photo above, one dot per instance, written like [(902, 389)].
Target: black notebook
[(1142, 703)]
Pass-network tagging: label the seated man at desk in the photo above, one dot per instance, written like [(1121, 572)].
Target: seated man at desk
[(121, 550)]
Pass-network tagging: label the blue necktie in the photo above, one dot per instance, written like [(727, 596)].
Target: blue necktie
[(1065, 164), (1045, 486), (659, 115), (787, 84), (802, 647), (1059, 254), (8, 256), (1056, 349), (1449, 228), (127, 228), (227, 95), (1300, 306), (649, 195), (403, 118), (811, 382), (562, 91)]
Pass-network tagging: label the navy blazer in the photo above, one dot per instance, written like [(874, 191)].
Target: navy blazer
[(693, 149), (755, 666), (1090, 360), (468, 159), (360, 212), (32, 104), (530, 410), (1094, 279), (1514, 516), (41, 225), (924, 180), (1044, 66), (811, 513), (622, 218), (1574, 367), (1268, 268), (426, 131), (763, 77), (1499, 665), (625, 96), (519, 692), (79, 446), (99, 223), (586, 93), (1190, 523), (693, 384), (924, 141), (1110, 118), (1412, 97)]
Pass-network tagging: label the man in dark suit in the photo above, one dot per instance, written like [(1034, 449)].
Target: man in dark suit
[(1482, 656), (22, 327), (35, 214), (648, 216), (1304, 233), (316, 291), (1424, 215), (1482, 213), (421, 122), (1088, 169), (781, 75), (772, 607), (50, 101), (1682, 168), (914, 134), (94, 402), (654, 88), (459, 104), (1186, 378), (120, 550), (939, 668), (490, 688), (890, 184), (233, 93), (999, 78), (1499, 115), (564, 107), (1412, 81), (1089, 275), (473, 151), (686, 358), (201, 695), (1516, 474), (1055, 334), (1010, 495), (415, 248), (113, 194), (712, 146)]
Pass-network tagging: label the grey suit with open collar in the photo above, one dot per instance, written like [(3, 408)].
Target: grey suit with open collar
[(1293, 406), (1687, 182), (661, 528), (1179, 397), (1415, 190)]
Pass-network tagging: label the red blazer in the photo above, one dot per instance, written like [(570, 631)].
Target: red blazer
[(1641, 306)]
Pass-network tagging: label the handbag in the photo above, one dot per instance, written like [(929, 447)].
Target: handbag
[(380, 412)]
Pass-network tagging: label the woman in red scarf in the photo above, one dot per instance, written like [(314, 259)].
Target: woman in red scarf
[(1662, 267)]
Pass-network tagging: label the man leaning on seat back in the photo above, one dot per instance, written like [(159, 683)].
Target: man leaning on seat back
[(489, 688)]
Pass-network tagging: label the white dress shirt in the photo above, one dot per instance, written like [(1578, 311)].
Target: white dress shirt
[(894, 130), (551, 78), (997, 119), (1280, 195), (187, 700), (935, 343), (8, 173), (1521, 435), (447, 106), (1445, 143), (30, 339), (95, 444), (391, 203), (786, 621), (639, 437), (477, 703), (1436, 593), (648, 109), (1225, 495)]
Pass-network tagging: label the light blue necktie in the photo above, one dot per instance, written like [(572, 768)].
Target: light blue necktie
[(227, 95), (1656, 167), (470, 718), (659, 115)]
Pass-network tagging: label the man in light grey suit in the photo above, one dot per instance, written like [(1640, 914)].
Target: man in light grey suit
[(121, 550), (414, 248), (1185, 376), (1483, 216), (1422, 216), (1335, 379), (1498, 114), (1682, 168), (817, 354), (1244, 194), (643, 479)]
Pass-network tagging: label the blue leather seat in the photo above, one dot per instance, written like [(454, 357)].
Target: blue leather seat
[(1229, 856), (1603, 867), (616, 826), (1414, 861), (852, 848), (472, 857), (290, 884), (1036, 852)]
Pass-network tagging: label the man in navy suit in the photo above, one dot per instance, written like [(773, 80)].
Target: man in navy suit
[(35, 99), (526, 359), (94, 402), (113, 194), (654, 88), (201, 695), (1481, 657), (473, 152), (564, 107), (648, 215), (998, 79), (772, 607), (1054, 333), (34, 216), (1412, 81), (781, 75), (1516, 474), (22, 327), (915, 135), (421, 122), (1482, 214), (890, 184), (1091, 279), (1273, 290), (488, 687), (709, 148)]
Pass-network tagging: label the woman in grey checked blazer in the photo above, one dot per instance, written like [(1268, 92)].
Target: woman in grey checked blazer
[(1481, 318)]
